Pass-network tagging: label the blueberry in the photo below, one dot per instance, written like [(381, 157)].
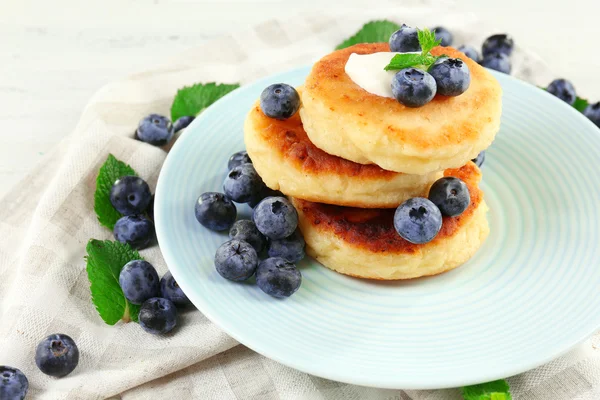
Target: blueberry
[(450, 195), (237, 159), (479, 159), (497, 61), (236, 260), (563, 89), (139, 281), (278, 277), (266, 192), (246, 230), (243, 183), (130, 195), (290, 248), (13, 383), (170, 290), (279, 101), (452, 76), (182, 123), (470, 52), (158, 316), (413, 87), (500, 43), (155, 129), (215, 211), (134, 230), (592, 111), (405, 39), (418, 220), (275, 217), (57, 355), (444, 35)]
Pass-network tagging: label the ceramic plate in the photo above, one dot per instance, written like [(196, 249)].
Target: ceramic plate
[(528, 295)]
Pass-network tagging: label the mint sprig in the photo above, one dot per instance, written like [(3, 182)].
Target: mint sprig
[(105, 259), (495, 390), (580, 104), (191, 100), (111, 170), (422, 61)]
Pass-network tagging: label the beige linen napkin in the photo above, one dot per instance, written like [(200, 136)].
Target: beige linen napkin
[(47, 219)]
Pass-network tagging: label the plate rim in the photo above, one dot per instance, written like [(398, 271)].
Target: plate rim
[(361, 379)]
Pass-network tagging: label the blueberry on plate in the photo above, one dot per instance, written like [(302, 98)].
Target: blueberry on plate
[(279, 101), (13, 383), (236, 260), (498, 62), (158, 316), (479, 160), (404, 40), (444, 35), (182, 123), (155, 129), (470, 52), (499, 43), (563, 89), (278, 277), (135, 230), (237, 159), (243, 183), (275, 217), (130, 195), (452, 76), (57, 355), (413, 87), (592, 111), (450, 195), (418, 220), (246, 230), (215, 211), (170, 290), (290, 248), (139, 281)]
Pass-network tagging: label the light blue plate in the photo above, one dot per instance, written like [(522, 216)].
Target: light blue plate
[(528, 295)]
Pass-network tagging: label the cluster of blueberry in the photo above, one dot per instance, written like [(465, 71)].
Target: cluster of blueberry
[(56, 355), (140, 284), (271, 234), (158, 130), (419, 220), (564, 90)]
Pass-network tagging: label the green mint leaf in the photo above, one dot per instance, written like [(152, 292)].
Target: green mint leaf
[(427, 40), (371, 32), (407, 60), (105, 259), (580, 104), (191, 100), (111, 170), (496, 390)]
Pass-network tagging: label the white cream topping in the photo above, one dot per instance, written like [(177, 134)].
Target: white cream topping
[(367, 71)]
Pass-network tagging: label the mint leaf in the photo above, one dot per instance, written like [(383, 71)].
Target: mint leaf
[(105, 259), (111, 170), (401, 61), (371, 32), (191, 100), (422, 61), (495, 390), (580, 104), (427, 40)]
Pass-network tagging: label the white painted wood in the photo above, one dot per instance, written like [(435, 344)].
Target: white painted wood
[(55, 54)]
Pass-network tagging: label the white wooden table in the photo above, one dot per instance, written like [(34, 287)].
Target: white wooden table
[(55, 54)]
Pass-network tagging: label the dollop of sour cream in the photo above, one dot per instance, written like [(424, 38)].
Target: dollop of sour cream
[(367, 71)]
